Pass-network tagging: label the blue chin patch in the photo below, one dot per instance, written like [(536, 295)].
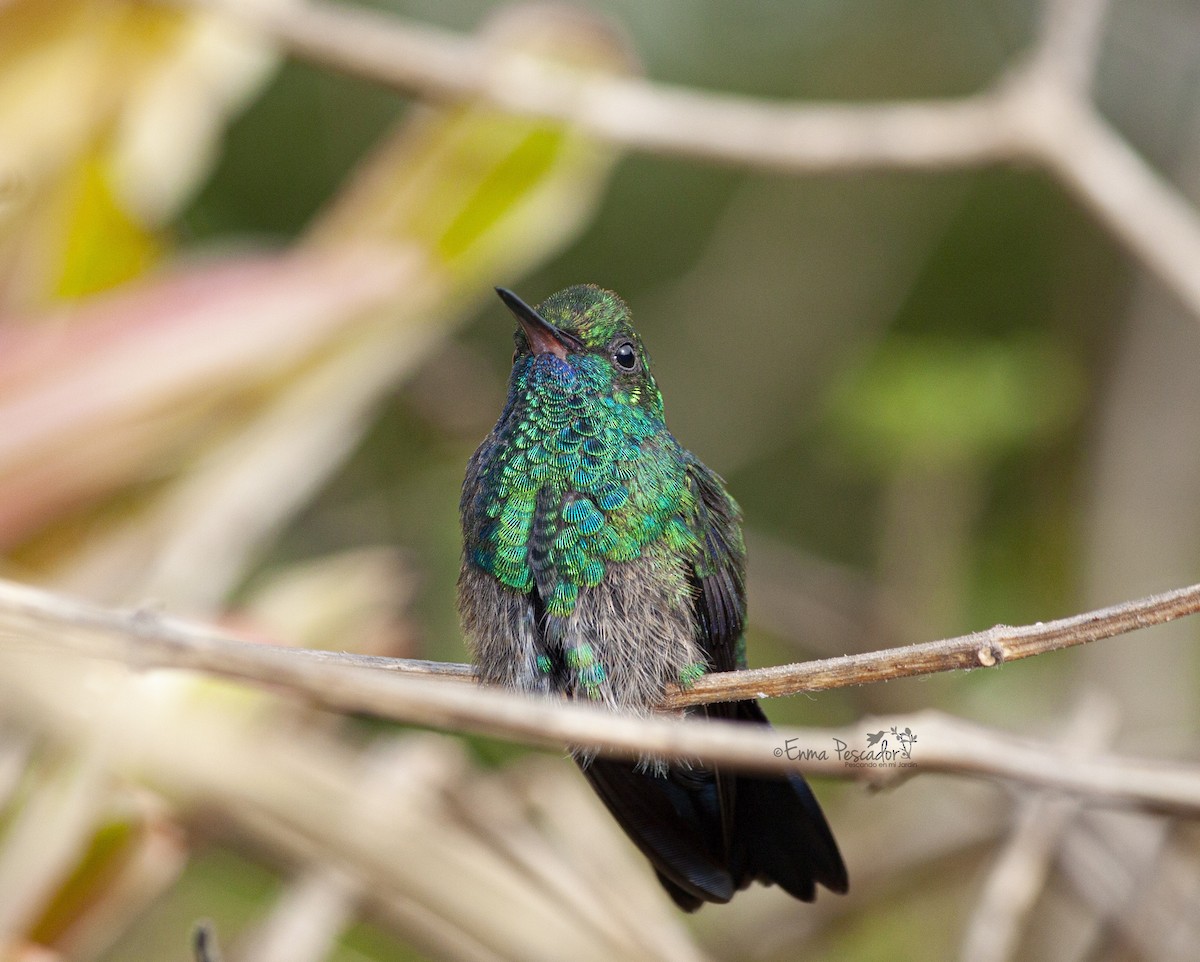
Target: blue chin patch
[(550, 367)]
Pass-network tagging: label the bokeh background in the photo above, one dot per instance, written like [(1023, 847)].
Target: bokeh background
[(248, 342)]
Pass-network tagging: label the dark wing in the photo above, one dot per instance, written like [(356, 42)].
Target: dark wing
[(719, 569), (772, 828), (709, 833), (719, 587)]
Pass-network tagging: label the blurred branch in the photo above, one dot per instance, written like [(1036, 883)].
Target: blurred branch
[(1023, 866), (1147, 903), (1039, 112), (204, 943), (49, 623), (1069, 42), (656, 117), (306, 920)]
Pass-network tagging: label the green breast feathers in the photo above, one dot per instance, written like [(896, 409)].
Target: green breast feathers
[(575, 478)]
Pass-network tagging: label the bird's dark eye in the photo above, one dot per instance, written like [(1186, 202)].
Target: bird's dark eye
[(625, 356)]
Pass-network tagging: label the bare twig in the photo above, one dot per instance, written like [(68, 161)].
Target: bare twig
[(1019, 874), (305, 921), (1069, 44), (204, 943), (982, 649), (1139, 206), (42, 621), (650, 116), (1117, 866), (1039, 113), (146, 639)]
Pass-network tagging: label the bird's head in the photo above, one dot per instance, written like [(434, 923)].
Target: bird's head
[(583, 336)]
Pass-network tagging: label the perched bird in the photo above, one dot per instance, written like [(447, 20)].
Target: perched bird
[(603, 561)]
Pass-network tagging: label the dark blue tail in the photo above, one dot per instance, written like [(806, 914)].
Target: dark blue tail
[(709, 834)]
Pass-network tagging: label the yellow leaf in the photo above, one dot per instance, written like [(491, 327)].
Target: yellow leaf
[(102, 245)]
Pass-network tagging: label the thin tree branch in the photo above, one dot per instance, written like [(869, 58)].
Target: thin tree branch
[(147, 639), (1069, 42), (1039, 112), (46, 623), (981, 649), (632, 112), (1020, 872), (204, 943), (1123, 874), (1139, 206)]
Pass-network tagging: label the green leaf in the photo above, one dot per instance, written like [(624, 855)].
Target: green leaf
[(940, 402)]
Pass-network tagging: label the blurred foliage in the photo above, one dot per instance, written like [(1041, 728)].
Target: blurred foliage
[(911, 383), (926, 405)]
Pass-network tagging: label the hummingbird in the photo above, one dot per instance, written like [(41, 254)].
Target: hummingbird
[(603, 561)]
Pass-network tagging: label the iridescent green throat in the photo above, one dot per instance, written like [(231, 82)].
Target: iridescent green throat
[(583, 474)]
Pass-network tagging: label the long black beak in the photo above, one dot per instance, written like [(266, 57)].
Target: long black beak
[(544, 337)]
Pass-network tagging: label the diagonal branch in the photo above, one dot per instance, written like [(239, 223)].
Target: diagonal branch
[(1069, 42), (1022, 868), (631, 112), (1038, 112), (981, 649)]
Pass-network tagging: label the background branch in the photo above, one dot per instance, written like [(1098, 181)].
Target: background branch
[(204, 943), (1039, 112), (1018, 877)]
